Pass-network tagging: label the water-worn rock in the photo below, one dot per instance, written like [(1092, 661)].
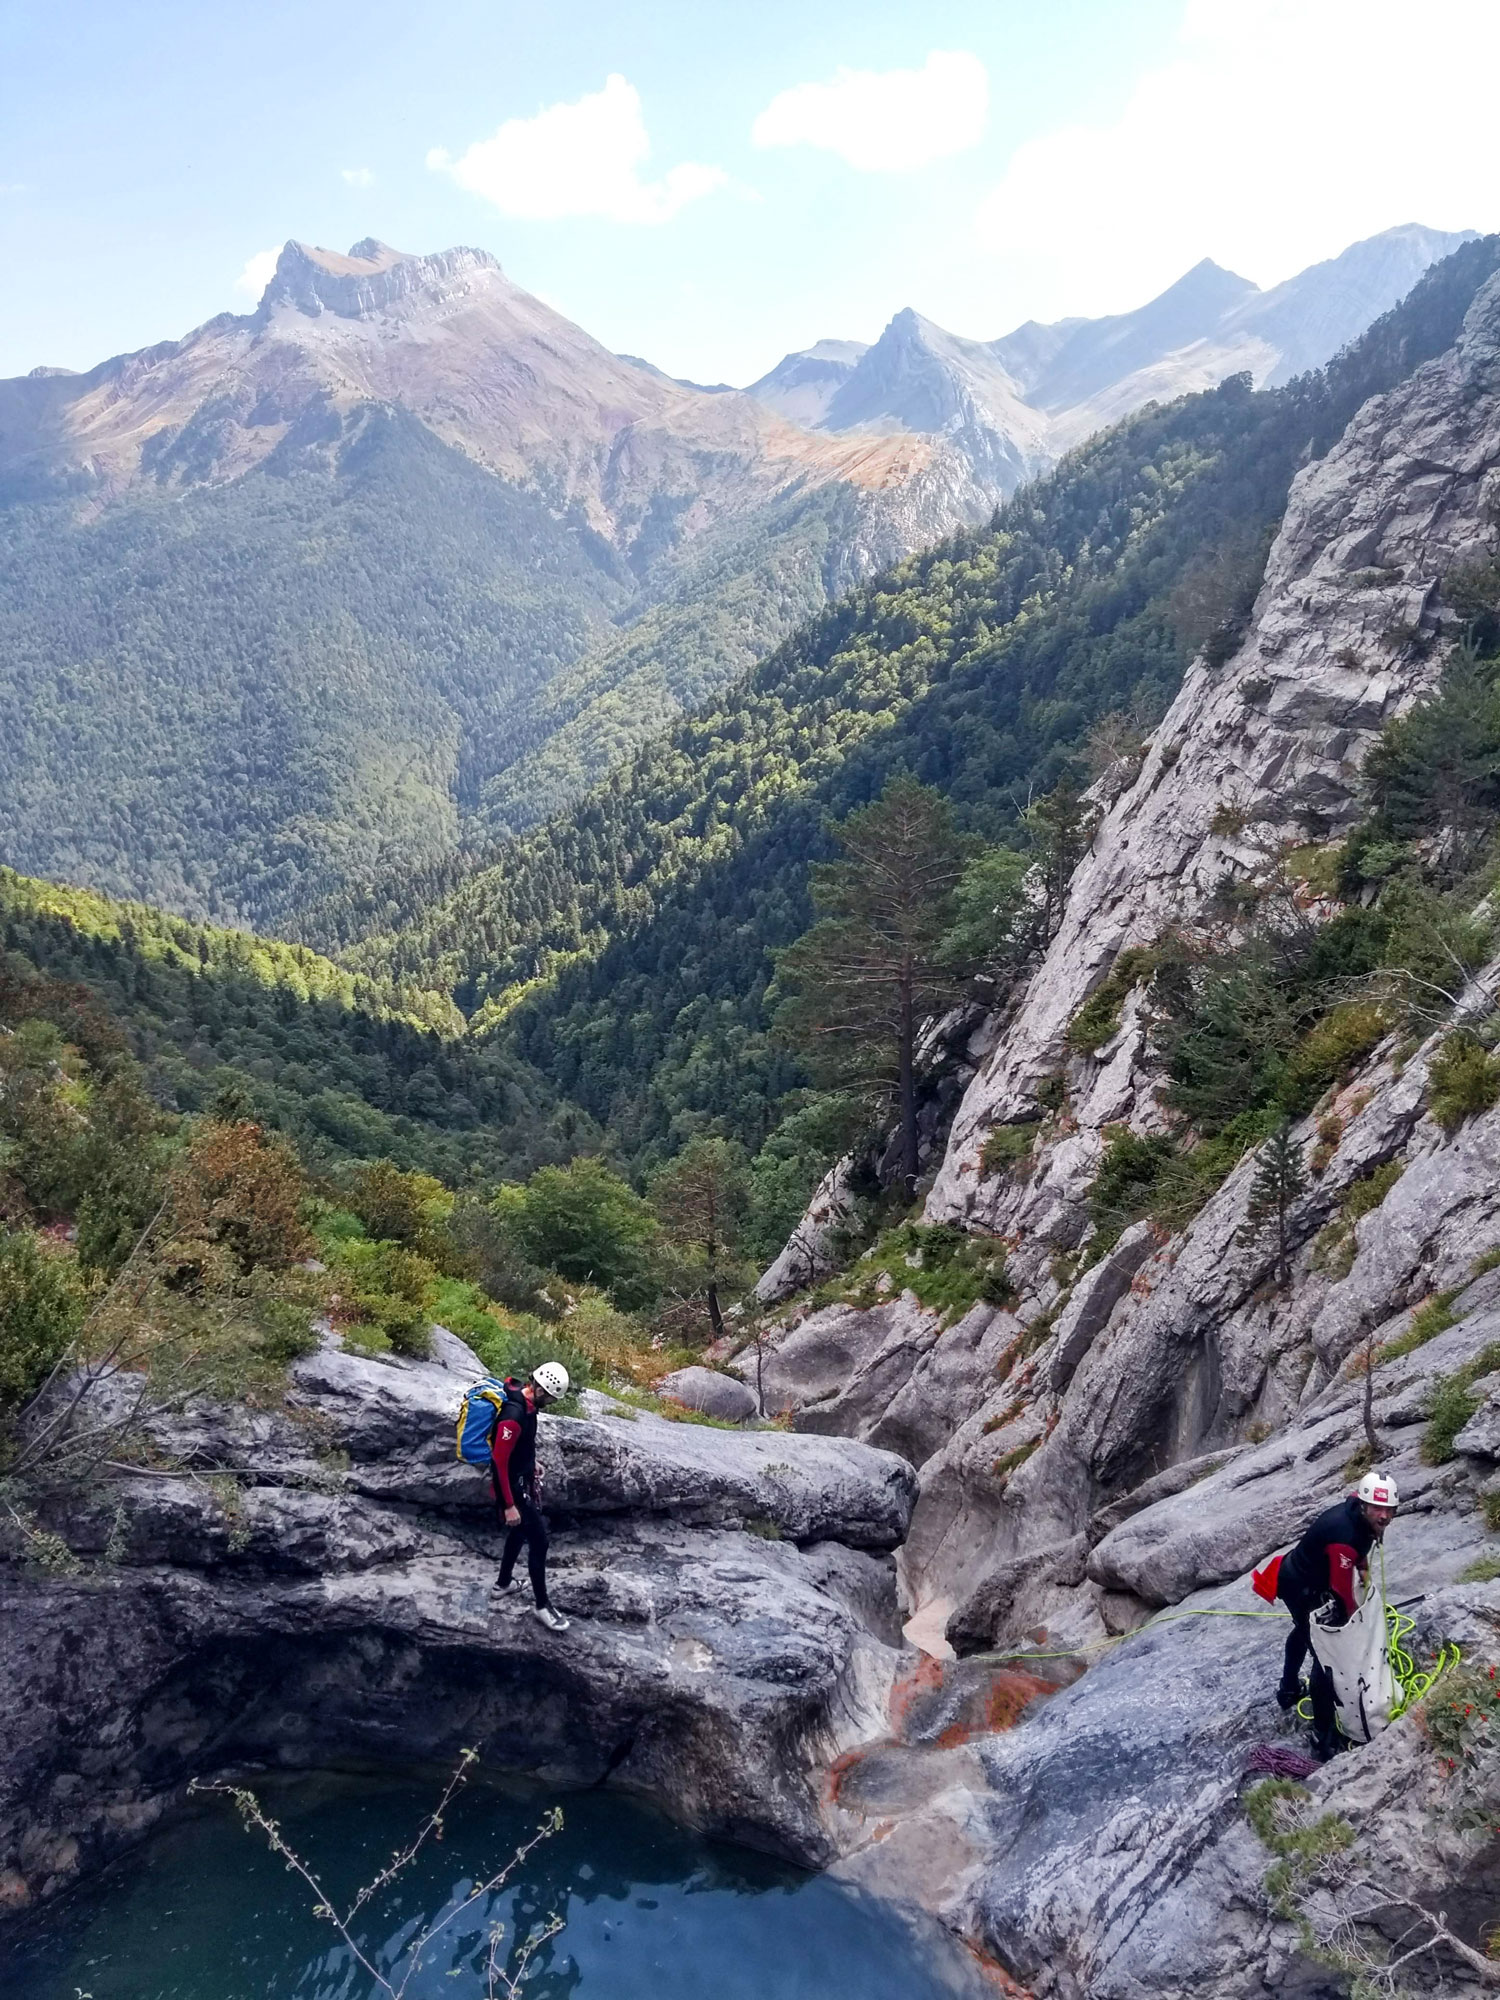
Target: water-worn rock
[(713, 1394), (248, 1612)]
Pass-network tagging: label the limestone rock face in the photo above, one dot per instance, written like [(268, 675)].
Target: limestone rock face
[(319, 1584), (1257, 746)]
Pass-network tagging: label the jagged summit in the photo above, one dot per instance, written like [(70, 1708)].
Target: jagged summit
[(370, 278), (1015, 404)]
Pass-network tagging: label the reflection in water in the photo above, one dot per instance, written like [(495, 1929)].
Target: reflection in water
[(205, 1912)]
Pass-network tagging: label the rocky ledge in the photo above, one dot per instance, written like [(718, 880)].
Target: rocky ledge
[(316, 1583)]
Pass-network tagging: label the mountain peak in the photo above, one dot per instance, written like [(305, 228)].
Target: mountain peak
[(368, 278)]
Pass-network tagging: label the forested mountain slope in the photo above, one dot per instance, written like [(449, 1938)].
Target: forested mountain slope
[(304, 593), (627, 945), (348, 1067)]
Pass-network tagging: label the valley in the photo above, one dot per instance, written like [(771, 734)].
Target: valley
[(461, 912)]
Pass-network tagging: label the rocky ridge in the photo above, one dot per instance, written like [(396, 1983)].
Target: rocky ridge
[(1110, 1457), (1013, 406)]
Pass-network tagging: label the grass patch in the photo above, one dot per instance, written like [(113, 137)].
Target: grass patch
[(1098, 1019), (1014, 1460), (1427, 1322), (1008, 1150), (1489, 1507), (1490, 1261), (1463, 1080), (1485, 1570), (1453, 1405), (674, 1413), (1328, 1052)]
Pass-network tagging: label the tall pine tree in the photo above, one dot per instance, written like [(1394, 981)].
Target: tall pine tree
[(865, 977)]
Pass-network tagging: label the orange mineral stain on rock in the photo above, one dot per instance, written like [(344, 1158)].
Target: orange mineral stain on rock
[(1008, 1696)]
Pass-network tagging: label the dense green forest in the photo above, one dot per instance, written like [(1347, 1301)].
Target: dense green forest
[(238, 699), (346, 1067), (624, 951), (606, 982)]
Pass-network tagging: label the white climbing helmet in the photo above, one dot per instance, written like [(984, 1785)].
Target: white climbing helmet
[(551, 1378), (1378, 1489)]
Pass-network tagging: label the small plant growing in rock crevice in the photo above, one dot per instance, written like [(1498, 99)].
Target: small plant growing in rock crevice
[(1453, 1405), (1463, 1080)]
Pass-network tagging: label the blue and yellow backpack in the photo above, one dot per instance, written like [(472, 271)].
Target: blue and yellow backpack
[(481, 1410)]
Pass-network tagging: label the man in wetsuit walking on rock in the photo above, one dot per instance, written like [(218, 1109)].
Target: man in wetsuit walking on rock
[(1320, 1568), (514, 1479)]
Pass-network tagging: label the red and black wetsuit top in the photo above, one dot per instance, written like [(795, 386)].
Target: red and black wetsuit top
[(514, 1451), (1336, 1544)]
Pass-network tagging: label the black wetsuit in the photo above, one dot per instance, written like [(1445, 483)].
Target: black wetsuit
[(513, 1480), (1320, 1567)]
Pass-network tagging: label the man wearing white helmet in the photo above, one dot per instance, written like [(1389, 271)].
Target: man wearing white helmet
[(1322, 1566), (514, 1477)]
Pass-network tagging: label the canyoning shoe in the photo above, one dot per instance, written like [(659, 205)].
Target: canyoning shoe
[(553, 1620), (1289, 1694), (1326, 1748), (503, 1582)]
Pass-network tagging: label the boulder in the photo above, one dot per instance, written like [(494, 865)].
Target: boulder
[(713, 1394)]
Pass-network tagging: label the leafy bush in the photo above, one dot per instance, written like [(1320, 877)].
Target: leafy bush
[(384, 1288), (1005, 1148), (1098, 1019), (1463, 1080), (586, 1223), (1125, 1185), (42, 1306), (236, 1195), (1453, 1405), (1328, 1052), (948, 1269)]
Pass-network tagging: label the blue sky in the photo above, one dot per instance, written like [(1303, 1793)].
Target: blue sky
[(709, 185)]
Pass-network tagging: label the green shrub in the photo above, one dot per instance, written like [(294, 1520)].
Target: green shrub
[(586, 1223), (1328, 1052), (286, 1329), (385, 1288), (1098, 1019), (521, 1347), (1005, 1148), (947, 1268), (1453, 1405), (1463, 1080), (1364, 1196), (42, 1306)]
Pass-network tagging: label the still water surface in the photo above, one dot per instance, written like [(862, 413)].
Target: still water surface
[(205, 1912)]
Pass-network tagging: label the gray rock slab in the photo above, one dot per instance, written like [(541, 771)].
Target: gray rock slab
[(715, 1395)]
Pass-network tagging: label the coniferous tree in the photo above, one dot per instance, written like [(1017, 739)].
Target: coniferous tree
[(873, 969), (701, 1198), (1279, 1179)]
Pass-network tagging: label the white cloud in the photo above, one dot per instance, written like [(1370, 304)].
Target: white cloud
[(578, 159), (1280, 132), (357, 177), (884, 121), (257, 273)]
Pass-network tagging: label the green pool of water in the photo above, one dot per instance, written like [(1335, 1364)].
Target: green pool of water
[(205, 1912)]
